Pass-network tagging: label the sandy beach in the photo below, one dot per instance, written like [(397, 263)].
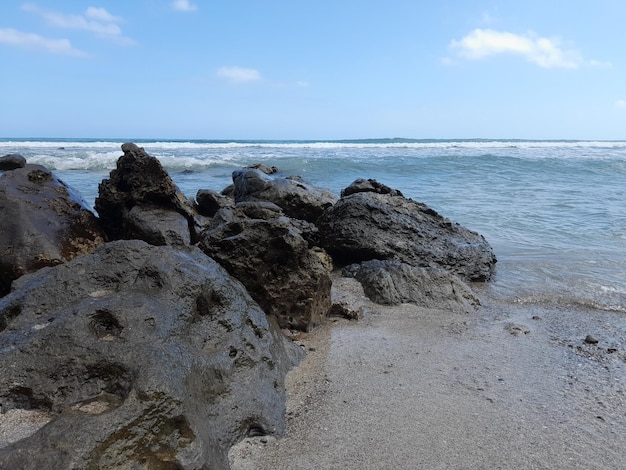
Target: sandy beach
[(506, 387)]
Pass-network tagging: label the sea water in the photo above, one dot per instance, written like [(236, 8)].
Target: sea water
[(553, 211)]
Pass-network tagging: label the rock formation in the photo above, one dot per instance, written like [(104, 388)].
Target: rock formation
[(43, 222), (142, 357)]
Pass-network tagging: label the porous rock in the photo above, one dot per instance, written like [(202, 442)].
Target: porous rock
[(367, 225), (12, 162), (143, 357), (43, 222), (297, 198), (393, 282), (266, 251), (139, 180)]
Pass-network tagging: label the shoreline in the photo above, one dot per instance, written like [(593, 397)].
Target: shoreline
[(506, 386)]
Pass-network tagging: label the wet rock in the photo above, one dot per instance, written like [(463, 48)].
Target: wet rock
[(367, 225), (140, 357), (139, 180), (268, 170), (369, 186), (208, 202), (266, 251), (156, 225), (12, 162), (394, 282), (298, 199), (43, 222)]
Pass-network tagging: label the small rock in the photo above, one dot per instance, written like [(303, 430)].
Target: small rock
[(590, 339)]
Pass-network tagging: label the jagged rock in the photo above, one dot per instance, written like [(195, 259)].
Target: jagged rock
[(139, 180), (369, 186), (268, 170), (295, 197), (394, 282), (343, 310), (208, 202), (12, 162), (43, 222), (266, 251), (367, 225), (142, 357)]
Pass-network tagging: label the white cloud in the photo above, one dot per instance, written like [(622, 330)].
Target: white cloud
[(544, 52), (13, 37), (238, 74), (95, 20), (620, 104), (183, 5)]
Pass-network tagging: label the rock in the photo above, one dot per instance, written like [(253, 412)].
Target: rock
[(208, 202), (156, 226), (394, 282), (141, 357), (369, 186), (516, 329), (268, 170), (12, 162), (139, 180), (298, 199), (590, 339), (266, 251), (368, 225), (343, 310), (43, 222)]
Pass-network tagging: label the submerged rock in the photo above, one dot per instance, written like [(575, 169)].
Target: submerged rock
[(142, 357), (43, 222), (368, 225)]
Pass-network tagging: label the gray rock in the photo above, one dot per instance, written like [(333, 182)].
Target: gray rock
[(138, 180), (266, 251), (156, 226), (12, 162), (394, 282), (368, 225), (369, 186), (298, 199), (144, 357), (208, 202), (43, 222)]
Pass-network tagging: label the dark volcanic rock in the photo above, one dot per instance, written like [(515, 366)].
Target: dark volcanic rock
[(157, 226), (208, 202), (265, 250), (139, 180), (43, 222), (368, 225), (369, 186), (394, 282), (12, 162), (295, 197), (143, 357)]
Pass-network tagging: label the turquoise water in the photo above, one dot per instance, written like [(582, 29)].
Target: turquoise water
[(554, 211)]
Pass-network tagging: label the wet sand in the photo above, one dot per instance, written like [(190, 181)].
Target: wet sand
[(506, 387)]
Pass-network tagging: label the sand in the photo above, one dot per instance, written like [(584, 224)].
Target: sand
[(504, 387)]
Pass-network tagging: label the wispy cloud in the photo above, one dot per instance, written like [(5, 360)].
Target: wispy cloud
[(183, 5), (544, 52), (95, 20), (620, 104), (13, 37), (238, 74)]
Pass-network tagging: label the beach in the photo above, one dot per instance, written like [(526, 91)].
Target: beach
[(507, 386)]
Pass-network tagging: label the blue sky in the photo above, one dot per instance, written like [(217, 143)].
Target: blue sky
[(340, 69)]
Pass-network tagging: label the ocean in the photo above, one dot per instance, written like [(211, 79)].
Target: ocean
[(553, 211)]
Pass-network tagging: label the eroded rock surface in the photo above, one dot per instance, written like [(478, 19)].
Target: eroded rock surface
[(143, 357)]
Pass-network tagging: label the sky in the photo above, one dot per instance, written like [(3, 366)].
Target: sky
[(323, 69)]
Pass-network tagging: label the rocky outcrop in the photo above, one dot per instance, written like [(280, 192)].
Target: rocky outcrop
[(266, 251), (298, 199), (369, 225), (394, 282), (140, 180), (141, 357), (369, 186), (208, 202), (12, 162), (43, 222)]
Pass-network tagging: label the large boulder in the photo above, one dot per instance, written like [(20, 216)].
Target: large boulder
[(393, 282), (266, 251), (369, 225), (139, 357), (140, 180), (43, 222), (295, 197)]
